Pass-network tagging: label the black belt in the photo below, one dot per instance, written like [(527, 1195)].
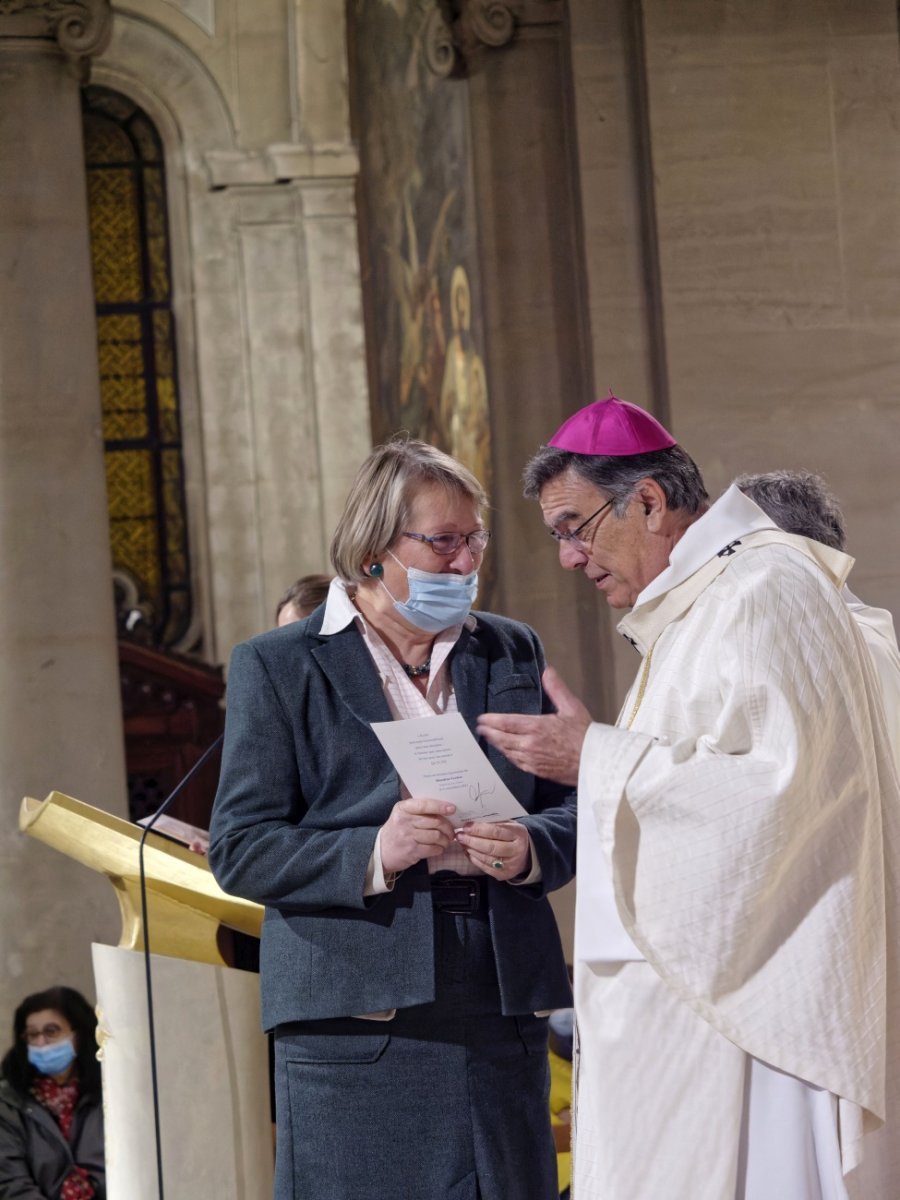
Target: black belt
[(462, 895)]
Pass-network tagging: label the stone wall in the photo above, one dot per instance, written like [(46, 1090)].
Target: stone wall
[(740, 167)]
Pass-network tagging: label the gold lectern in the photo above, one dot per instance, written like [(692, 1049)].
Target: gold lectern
[(212, 1058), (185, 905)]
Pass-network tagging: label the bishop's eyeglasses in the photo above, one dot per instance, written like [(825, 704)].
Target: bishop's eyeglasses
[(574, 535)]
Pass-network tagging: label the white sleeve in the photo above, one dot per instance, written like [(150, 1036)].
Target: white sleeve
[(377, 883)]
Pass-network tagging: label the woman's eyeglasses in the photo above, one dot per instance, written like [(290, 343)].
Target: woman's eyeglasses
[(448, 543), (50, 1033)]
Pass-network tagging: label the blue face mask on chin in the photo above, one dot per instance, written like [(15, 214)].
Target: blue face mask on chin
[(52, 1059), (437, 600)]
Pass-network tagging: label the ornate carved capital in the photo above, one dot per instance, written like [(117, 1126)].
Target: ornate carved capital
[(489, 21), (80, 27), (457, 31)]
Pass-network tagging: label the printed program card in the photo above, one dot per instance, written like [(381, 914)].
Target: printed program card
[(439, 759)]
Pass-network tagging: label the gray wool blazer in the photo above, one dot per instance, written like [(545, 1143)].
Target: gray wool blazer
[(304, 788)]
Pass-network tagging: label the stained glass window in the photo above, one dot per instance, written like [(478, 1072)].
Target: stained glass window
[(136, 344)]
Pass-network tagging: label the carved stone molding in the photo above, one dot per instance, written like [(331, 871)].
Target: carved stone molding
[(456, 31), (280, 163), (490, 22), (81, 28), (442, 57)]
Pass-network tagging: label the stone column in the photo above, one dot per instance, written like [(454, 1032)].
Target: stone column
[(60, 718), (281, 340), (514, 55)]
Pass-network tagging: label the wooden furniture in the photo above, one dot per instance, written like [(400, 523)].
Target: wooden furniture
[(172, 711)]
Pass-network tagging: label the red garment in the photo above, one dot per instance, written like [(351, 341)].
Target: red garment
[(60, 1099), (77, 1186)]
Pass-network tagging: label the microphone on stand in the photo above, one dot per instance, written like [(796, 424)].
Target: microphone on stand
[(151, 1027)]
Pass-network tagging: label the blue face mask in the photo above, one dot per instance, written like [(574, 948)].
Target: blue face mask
[(52, 1059), (436, 600)]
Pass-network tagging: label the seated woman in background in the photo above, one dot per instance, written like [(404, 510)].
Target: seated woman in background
[(51, 1115)]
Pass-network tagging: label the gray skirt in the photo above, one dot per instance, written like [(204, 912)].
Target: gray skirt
[(447, 1101)]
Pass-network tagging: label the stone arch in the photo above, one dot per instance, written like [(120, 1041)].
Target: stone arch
[(174, 86)]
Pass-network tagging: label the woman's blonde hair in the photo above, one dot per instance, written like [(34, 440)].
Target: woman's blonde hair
[(378, 507)]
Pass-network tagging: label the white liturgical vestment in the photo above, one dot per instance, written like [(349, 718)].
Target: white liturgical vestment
[(877, 627), (736, 935)]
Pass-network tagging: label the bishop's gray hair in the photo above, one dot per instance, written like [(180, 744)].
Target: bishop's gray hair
[(618, 476), (798, 502)]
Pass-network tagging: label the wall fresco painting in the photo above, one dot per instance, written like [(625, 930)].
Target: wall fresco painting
[(419, 238)]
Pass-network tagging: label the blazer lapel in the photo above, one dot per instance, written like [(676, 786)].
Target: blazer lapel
[(469, 672), (352, 673), (354, 677)]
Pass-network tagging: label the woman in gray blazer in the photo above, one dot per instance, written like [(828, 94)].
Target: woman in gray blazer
[(407, 963)]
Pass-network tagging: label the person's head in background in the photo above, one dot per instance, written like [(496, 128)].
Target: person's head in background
[(301, 598), (798, 502), (54, 1034)]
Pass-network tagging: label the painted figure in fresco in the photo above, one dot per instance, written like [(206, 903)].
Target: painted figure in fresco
[(464, 398), (424, 342)]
